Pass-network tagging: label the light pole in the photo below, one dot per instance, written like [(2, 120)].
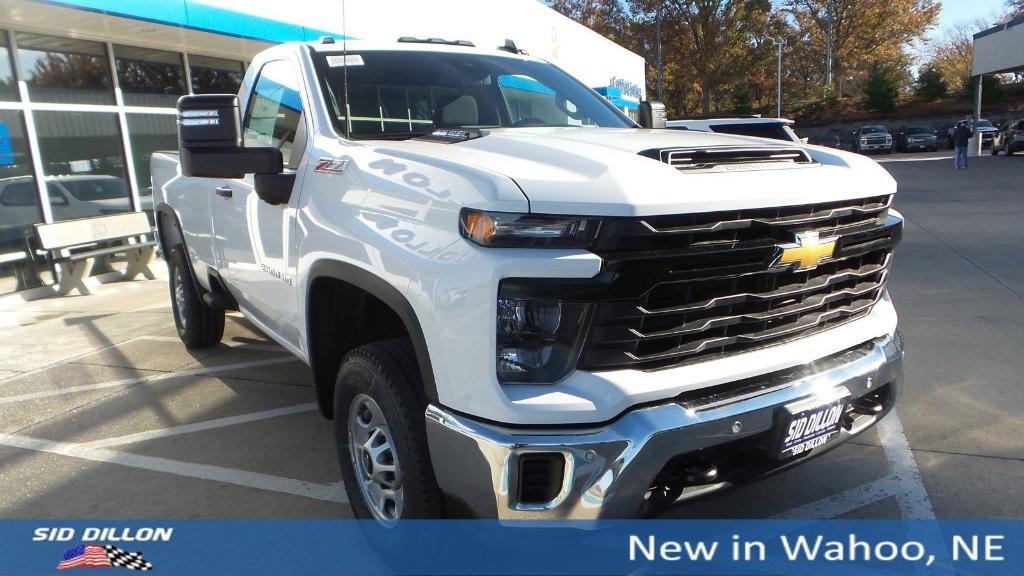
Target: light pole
[(661, 73), (779, 43), (828, 46)]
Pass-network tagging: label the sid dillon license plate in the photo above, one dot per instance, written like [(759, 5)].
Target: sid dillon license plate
[(804, 429)]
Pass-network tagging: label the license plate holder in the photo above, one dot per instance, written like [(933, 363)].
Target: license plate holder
[(808, 424)]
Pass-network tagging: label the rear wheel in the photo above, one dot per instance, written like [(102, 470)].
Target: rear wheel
[(380, 434), (198, 325)]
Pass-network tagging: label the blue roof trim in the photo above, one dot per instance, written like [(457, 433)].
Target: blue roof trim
[(622, 102), (614, 95), (200, 17)]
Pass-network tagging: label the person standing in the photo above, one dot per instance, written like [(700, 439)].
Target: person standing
[(961, 137)]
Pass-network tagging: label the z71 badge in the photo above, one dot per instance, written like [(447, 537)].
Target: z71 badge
[(331, 166)]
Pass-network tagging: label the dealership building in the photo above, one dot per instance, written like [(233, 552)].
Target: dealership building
[(88, 87)]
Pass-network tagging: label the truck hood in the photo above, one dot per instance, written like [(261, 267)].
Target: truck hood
[(598, 171)]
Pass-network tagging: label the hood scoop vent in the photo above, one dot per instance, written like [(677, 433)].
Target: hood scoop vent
[(729, 158)]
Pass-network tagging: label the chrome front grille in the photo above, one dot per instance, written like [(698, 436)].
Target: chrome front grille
[(684, 288)]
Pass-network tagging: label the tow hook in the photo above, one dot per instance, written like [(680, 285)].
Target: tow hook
[(867, 406), (701, 474)]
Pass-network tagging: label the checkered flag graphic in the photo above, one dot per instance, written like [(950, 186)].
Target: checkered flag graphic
[(129, 560)]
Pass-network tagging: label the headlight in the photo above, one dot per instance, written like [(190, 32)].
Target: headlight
[(510, 230), (538, 341)]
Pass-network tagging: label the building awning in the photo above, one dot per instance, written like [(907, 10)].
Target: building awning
[(999, 49)]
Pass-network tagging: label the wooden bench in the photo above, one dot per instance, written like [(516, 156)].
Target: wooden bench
[(73, 246)]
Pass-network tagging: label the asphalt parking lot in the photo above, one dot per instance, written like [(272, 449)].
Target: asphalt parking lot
[(103, 413)]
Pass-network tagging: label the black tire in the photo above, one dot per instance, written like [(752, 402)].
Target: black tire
[(386, 372), (198, 325)]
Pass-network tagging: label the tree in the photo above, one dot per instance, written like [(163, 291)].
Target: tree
[(741, 99), (863, 30), (880, 91), (953, 54), (930, 85), (1016, 8), (606, 17)]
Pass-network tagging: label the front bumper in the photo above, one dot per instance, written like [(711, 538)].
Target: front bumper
[(607, 470)]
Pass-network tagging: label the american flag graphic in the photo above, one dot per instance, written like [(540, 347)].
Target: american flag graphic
[(97, 556)]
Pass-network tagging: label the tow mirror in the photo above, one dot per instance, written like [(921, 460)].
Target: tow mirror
[(651, 114), (210, 140)]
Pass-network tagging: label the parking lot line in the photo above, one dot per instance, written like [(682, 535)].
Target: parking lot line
[(843, 502), (911, 493), (145, 379), (229, 343), (199, 426), (325, 492)]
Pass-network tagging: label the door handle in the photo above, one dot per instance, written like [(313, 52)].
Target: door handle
[(223, 191)]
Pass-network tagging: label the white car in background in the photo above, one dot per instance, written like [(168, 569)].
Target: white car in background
[(773, 128), (71, 196)]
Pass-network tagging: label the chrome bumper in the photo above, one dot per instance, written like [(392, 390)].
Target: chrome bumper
[(608, 469)]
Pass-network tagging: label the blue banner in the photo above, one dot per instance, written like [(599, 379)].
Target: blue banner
[(469, 547)]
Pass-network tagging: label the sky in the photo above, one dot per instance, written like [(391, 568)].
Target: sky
[(957, 11), (954, 11)]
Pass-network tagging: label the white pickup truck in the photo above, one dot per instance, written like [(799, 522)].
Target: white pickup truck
[(518, 303)]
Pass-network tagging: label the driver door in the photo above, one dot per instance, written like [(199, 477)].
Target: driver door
[(253, 238)]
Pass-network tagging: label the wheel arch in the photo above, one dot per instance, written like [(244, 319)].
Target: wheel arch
[(324, 362)]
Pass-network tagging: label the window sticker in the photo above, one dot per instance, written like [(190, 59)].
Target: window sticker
[(344, 60)]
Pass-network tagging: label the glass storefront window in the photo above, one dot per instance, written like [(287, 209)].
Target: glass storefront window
[(8, 86), (149, 77), (65, 70), (149, 133), (84, 160), (215, 75), (19, 204)]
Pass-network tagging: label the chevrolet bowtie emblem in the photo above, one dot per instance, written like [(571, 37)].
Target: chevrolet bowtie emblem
[(808, 251)]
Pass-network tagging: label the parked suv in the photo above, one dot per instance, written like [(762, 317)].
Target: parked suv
[(517, 302), (911, 138), (872, 138), (1009, 139)]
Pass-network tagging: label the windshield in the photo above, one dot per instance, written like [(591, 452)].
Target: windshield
[(919, 130), (984, 124), (405, 94), (873, 130)]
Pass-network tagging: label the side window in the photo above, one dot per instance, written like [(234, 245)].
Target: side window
[(275, 110)]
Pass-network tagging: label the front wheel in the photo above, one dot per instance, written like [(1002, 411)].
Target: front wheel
[(380, 434), (198, 325)]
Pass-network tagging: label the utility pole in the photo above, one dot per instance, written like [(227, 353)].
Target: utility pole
[(828, 45), (661, 72)]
